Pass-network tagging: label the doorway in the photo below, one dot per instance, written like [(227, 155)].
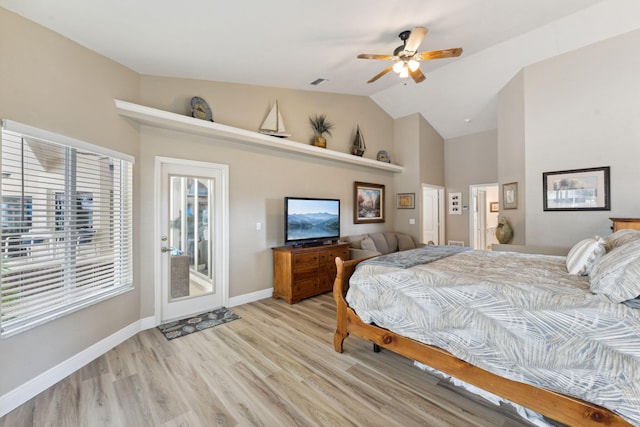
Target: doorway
[(432, 214), (483, 219), (192, 206)]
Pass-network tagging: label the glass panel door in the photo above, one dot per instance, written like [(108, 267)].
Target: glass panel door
[(192, 260), (190, 239)]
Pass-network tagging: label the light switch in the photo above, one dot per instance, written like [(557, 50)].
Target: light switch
[(258, 226), (412, 221)]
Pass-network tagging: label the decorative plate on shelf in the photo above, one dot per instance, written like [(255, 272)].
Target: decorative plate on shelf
[(383, 156), (200, 109)]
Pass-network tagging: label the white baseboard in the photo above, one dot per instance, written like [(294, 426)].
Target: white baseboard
[(148, 323), (253, 296), (30, 389), (36, 385)]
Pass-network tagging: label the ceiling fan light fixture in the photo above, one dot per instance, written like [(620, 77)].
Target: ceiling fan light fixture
[(407, 58)]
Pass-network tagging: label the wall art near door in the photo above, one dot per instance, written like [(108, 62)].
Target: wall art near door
[(510, 195), (576, 190), (406, 201), (368, 202), (455, 203)]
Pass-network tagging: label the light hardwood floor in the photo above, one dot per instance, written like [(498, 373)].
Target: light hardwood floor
[(273, 367)]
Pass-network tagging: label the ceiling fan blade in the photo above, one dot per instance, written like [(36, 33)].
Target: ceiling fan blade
[(380, 74), (373, 56), (417, 75), (438, 54), (414, 40)]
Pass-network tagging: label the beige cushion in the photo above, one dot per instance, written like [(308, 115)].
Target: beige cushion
[(380, 242), (405, 242), (368, 245), (583, 255), (392, 242), (617, 274)]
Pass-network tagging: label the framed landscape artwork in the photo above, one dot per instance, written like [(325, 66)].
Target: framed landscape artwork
[(576, 190), (368, 202), (406, 201)]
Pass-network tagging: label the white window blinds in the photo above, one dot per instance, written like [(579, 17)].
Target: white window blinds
[(66, 226)]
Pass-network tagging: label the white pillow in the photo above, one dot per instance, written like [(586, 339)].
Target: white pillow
[(583, 255), (617, 274)]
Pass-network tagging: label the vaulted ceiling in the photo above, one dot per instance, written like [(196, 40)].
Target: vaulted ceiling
[(290, 43)]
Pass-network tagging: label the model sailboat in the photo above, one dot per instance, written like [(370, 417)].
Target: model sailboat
[(274, 125), (358, 147)]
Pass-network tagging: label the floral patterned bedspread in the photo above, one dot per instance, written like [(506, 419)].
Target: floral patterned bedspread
[(520, 316)]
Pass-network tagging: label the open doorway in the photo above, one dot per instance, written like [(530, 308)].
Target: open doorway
[(483, 218)]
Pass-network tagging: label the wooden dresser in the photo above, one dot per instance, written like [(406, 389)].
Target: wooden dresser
[(304, 272), (621, 223)]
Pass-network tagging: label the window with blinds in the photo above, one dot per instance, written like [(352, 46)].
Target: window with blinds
[(66, 218)]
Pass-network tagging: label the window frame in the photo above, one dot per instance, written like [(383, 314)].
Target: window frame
[(62, 283)]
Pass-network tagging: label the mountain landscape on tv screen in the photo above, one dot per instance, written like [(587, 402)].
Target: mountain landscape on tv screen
[(312, 225)]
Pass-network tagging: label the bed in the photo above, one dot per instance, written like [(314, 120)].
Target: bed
[(557, 335)]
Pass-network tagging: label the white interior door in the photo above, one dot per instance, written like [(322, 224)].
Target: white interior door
[(192, 237), (432, 215)]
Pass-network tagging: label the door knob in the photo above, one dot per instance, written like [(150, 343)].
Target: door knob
[(166, 249)]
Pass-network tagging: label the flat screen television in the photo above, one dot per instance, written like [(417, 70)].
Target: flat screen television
[(309, 222)]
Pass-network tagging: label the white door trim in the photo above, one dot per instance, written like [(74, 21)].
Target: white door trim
[(224, 211)]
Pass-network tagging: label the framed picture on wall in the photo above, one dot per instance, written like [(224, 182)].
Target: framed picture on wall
[(455, 203), (406, 201), (368, 202), (494, 207), (576, 190), (510, 195)]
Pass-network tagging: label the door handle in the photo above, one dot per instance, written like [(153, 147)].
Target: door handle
[(166, 249)]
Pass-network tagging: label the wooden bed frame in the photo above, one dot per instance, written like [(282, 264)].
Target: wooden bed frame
[(556, 406)]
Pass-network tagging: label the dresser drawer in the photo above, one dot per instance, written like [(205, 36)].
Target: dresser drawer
[(304, 288), (303, 274), (329, 257), (305, 259)]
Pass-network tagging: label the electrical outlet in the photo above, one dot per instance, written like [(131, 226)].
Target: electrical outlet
[(412, 221)]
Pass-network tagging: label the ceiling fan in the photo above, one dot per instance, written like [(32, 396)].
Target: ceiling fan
[(407, 59)]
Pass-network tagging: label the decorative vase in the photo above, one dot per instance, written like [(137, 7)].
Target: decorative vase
[(320, 141), (504, 233)]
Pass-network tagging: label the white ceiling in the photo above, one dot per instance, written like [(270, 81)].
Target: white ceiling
[(290, 43)]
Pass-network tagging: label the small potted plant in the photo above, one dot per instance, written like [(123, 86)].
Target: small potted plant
[(320, 126)]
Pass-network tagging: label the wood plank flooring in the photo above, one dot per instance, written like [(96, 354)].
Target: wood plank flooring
[(273, 367)]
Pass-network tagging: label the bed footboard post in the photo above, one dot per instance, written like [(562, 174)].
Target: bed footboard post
[(339, 291)]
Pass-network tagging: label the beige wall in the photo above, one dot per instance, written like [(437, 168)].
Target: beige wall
[(419, 148), (246, 106), (48, 82), (261, 178), (511, 152), (468, 160), (579, 110)]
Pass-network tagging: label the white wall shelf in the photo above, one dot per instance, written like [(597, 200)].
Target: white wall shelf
[(178, 122)]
